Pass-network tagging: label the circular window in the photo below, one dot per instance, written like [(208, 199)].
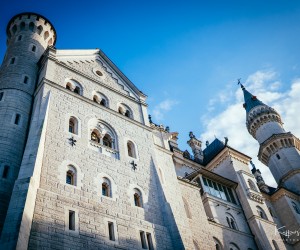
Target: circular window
[(99, 73)]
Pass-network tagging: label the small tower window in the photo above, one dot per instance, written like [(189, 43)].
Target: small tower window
[(31, 26), (278, 156), (1, 96), (95, 137), (73, 125), (17, 119), (5, 172), (107, 141), (46, 35), (14, 29), (71, 176), (103, 102), (12, 60), (137, 198), (19, 37), (25, 79), (71, 220), (131, 149), (77, 90), (111, 231), (33, 49), (50, 42), (39, 29), (22, 26), (106, 187), (143, 239)]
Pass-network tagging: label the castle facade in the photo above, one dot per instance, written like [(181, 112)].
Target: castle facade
[(83, 167)]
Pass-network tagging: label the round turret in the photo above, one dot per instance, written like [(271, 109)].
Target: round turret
[(28, 36)]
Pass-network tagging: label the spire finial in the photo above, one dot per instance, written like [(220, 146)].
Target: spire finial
[(239, 83)]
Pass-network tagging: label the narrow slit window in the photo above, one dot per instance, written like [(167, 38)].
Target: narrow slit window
[(1, 96), (149, 241), (278, 156), (17, 119), (25, 79), (143, 240), (12, 60), (19, 37), (33, 49), (5, 172), (71, 220), (111, 232)]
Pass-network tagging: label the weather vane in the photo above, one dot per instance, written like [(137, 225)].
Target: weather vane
[(239, 81)]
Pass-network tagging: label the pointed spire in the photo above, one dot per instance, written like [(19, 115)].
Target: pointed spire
[(251, 101)]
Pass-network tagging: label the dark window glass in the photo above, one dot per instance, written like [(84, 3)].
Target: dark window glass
[(149, 241), (25, 79), (17, 119), (1, 96), (12, 61), (33, 49), (72, 220), (143, 240), (111, 231), (5, 172)]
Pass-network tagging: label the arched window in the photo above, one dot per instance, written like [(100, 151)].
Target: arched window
[(103, 102), (73, 125), (252, 185), (233, 246), (101, 99), (106, 187), (71, 175), (95, 136), (296, 208), (50, 42), (46, 35), (186, 208), (107, 141), (138, 201), (231, 221), (131, 149), (261, 212), (77, 90), (31, 26), (69, 86), (14, 29), (22, 26), (39, 29), (125, 110), (218, 245)]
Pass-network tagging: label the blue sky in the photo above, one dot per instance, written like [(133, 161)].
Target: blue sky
[(187, 55)]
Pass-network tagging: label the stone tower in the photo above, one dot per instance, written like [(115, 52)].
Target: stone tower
[(279, 150), (28, 36)]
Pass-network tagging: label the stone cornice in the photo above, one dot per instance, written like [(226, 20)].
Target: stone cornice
[(229, 229), (188, 183), (276, 142), (283, 192), (288, 175), (256, 217), (255, 196)]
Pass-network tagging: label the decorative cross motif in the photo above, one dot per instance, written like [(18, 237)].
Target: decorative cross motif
[(134, 165), (72, 141)]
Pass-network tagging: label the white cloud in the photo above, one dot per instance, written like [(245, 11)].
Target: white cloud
[(163, 107), (231, 121)]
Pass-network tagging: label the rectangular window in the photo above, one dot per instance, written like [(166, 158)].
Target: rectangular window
[(111, 231), (25, 79), (12, 61), (71, 220), (5, 172), (33, 48), (143, 240), (149, 241), (17, 119), (1, 96), (218, 190)]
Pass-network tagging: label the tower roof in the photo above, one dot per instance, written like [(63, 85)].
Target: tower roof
[(251, 101)]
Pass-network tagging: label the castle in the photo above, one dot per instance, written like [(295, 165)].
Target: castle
[(82, 166)]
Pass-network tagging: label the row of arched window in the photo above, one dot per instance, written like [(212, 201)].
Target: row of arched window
[(106, 186), (104, 136), (31, 27), (99, 98)]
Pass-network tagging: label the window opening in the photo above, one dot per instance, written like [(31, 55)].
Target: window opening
[(143, 240), (17, 119), (71, 220), (5, 172), (111, 231)]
